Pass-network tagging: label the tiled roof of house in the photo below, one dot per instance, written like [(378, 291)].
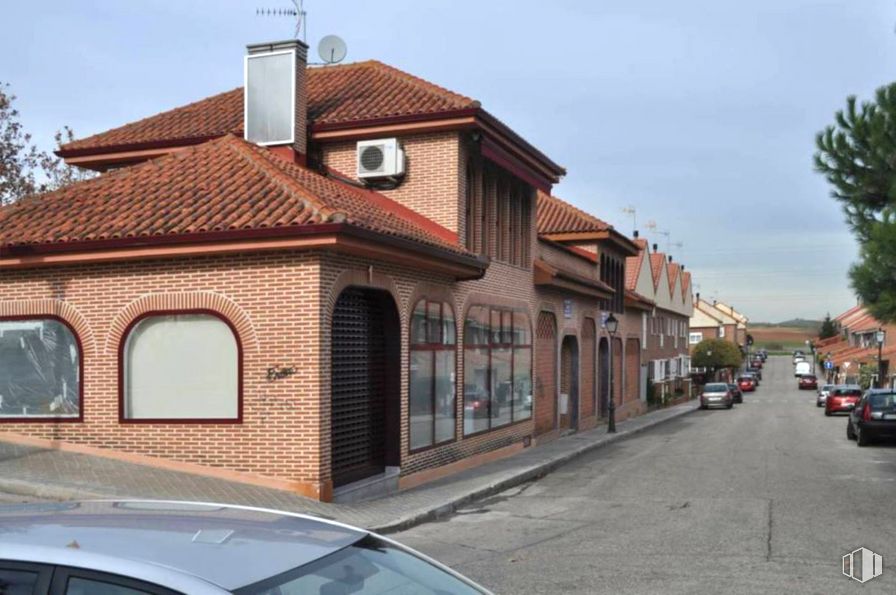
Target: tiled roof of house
[(221, 185), (354, 92), (558, 216), (657, 261), (673, 268), (848, 313), (633, 264), (685, 284)]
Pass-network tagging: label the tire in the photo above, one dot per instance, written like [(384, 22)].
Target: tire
[(730, 406), (704, 407), (850, 434), (862, 438)]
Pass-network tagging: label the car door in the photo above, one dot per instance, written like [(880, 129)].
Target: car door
[(22, 578), (77, 581)]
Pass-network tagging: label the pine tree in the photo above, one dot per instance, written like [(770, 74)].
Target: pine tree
[(828, 328), (857, 156)]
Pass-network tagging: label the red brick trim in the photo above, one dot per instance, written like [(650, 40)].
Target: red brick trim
[(121, 363), (59, 309), (80, 417), (195, 300)]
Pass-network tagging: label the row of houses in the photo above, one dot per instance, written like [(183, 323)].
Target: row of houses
[(340, 280), (717, 320), (853, 354)]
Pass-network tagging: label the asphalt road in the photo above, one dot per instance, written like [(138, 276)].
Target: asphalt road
[(764, 498)]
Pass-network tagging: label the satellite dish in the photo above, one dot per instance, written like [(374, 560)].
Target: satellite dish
[(332, 49)]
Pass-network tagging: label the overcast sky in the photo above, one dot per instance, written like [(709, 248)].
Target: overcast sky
[(700, 115)]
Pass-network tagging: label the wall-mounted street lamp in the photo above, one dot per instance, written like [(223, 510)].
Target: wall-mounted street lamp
[(612, 326)]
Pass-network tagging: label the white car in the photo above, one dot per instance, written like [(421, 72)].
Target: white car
[(802, 368), (823, 393)]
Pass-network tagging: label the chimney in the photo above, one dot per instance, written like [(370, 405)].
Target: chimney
[(636, 234), (654, 248), (274, 96), (698, 296), (670, 258)]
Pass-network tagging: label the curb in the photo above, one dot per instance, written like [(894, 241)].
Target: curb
[(537, 472)]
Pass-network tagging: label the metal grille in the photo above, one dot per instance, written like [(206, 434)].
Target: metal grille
[(358, 387)]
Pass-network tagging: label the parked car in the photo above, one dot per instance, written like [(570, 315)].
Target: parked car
[(807, 381), (736, 393), (151, 547), (757, 363), (802, 368), (874, 418), (763, 354), (755, 372), (842, 398), (823, 393), (746, 384), (716, 394)]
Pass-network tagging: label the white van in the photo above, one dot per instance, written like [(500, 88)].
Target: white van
[(802, 368)]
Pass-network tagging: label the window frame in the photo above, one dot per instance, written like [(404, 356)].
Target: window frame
[(54, 420), (62, 574), (491, 345), (122, 355), (43, 571), (432, 347)]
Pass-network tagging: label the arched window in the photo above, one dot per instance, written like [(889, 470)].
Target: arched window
[(497, 368), (181, 366), (40, 370), (432, 374)]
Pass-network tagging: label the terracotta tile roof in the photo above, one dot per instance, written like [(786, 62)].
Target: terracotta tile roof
[(558, 216), (849, 312), (657, 260), (336, 95), (221, 185), (685, 284), (633, 264), (674, 268)]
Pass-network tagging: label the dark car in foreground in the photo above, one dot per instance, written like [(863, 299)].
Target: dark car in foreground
[(716, 394), (151, 547), (736, 393), (874, 418), (808, 381), (842, 398)]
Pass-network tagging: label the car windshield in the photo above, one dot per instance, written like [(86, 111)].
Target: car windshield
[(716, 388), (883, 402), (848, 392), (808, 377), (827, 387), (370, 566)]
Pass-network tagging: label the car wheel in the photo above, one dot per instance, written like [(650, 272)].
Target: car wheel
[(862, 438), (850, 433), (730, 405)]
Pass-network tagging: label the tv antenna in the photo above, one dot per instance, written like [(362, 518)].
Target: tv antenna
[(297, 12), (332, 49), (630, 210)]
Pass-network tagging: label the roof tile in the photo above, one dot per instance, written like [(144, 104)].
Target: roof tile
[(558, 216)]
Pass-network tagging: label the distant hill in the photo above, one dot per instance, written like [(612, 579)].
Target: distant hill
[(801, 323)]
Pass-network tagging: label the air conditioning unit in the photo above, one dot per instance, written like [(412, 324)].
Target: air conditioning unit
[(382, 158)]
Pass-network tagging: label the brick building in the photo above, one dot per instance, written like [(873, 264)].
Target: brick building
[(229, 298)]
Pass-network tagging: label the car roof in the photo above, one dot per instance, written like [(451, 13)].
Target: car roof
[(221, 545)]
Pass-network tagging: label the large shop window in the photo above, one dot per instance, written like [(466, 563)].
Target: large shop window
[(181, 367), (40, 370), (497, 368), (432, 374)]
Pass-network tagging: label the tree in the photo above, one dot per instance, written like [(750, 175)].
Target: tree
[(857, 156), (716, 354), (24, 169), (828, 328)]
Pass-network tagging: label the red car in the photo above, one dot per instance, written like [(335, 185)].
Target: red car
[(757, 363), (746, 384), (808, 381), (842, 399)]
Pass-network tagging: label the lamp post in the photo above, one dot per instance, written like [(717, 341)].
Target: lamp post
[(612, 327), (880, 336)]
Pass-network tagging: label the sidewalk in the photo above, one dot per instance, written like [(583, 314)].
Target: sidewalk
[(51, 474)]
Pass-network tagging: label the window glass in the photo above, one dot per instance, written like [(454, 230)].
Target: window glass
[(17, 582), (522, 383), (476, 326), (432, 375), (521, 332), (418, 323), (495, 326), (39, 369), (181, 366), (445, 391), (476, 394), (83, 586), (421, 414), (502, 388)]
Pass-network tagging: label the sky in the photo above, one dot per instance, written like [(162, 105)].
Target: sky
[(699, 115)]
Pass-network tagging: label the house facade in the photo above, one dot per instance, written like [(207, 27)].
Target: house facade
[(230, 298)]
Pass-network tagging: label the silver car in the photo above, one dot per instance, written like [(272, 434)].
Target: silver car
[(716, 394), (152, 547), (823, 393)]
